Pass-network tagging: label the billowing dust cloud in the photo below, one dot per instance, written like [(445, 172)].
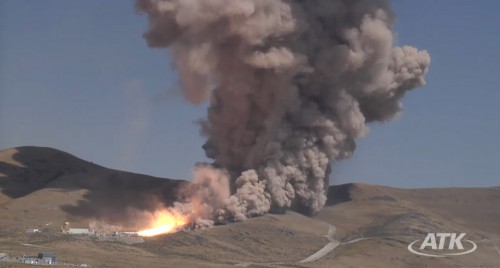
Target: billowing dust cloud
[(291, 85)]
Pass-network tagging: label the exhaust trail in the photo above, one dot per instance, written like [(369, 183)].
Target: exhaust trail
[(291, 85)]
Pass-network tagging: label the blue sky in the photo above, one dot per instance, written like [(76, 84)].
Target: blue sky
[(77, 76)]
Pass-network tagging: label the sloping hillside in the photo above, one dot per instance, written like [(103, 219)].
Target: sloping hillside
[(42, 184), (372, 225), (360, 208)]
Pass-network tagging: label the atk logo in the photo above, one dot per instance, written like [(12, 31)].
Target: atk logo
[(434, 245)]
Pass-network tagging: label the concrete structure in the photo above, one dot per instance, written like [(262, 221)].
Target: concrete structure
[(126, 234), (4, 256), (48, 258), (32, 231), (79, 231), (30, 259)]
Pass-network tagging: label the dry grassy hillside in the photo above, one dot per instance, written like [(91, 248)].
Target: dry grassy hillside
[(391, 218), (40, 185), (374, 224), (411, 211)]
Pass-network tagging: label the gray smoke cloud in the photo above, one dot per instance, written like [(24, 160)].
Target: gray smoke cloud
[(291, 85)]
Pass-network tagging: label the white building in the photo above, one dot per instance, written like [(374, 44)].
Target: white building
[(80, 231), (30, 259)]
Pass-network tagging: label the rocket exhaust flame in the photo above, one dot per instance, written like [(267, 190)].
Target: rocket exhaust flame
[(163, 222)]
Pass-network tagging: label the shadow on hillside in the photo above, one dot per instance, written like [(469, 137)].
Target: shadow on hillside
[(37, 168), (339, 194), (109, 194)]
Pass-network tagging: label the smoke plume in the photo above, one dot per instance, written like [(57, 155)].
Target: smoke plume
[(291, 85)]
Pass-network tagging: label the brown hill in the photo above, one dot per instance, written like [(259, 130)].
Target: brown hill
[(48, 185), (374, 224)]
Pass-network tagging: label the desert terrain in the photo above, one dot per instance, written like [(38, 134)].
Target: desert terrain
[(361, 226)]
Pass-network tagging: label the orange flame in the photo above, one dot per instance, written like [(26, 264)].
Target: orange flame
[(164, 221)]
